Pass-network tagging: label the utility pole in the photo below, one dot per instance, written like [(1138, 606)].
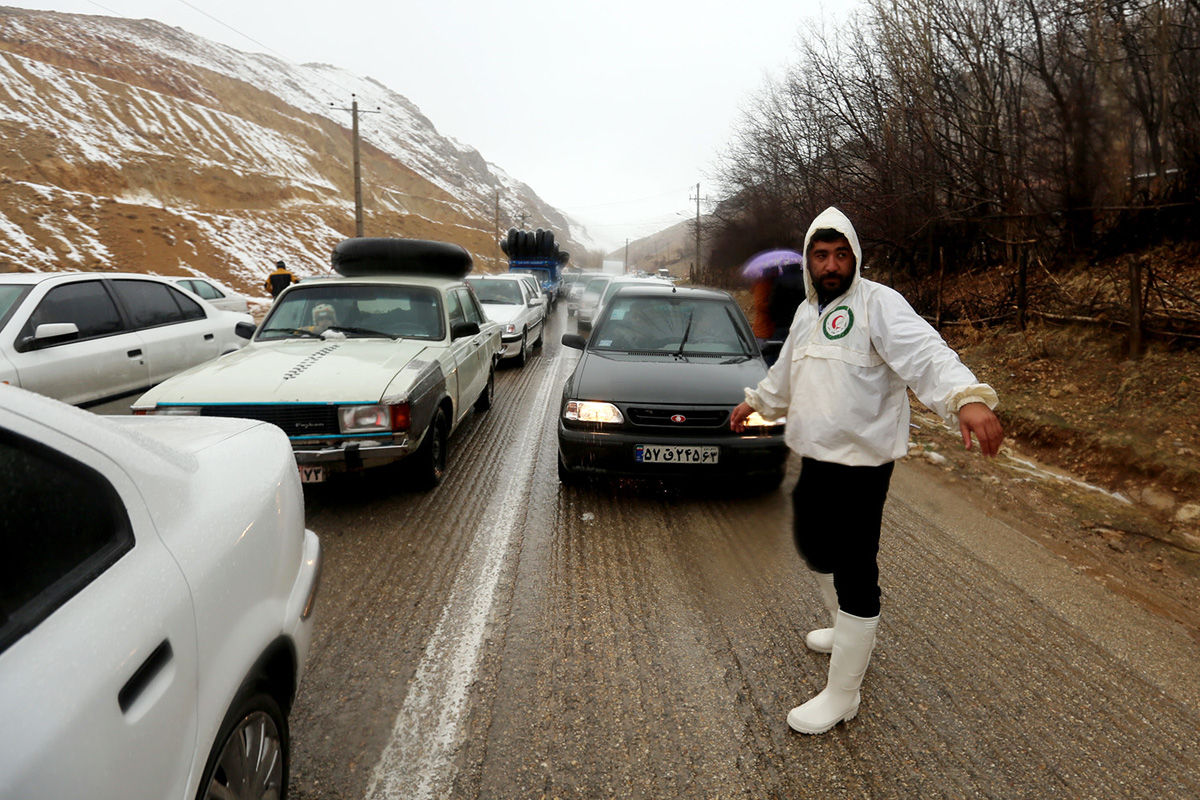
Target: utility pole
[(627, 256), (696, 266), (497, 229), (358, 207)]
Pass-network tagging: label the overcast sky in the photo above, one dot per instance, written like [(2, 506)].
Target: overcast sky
[(612, 111)]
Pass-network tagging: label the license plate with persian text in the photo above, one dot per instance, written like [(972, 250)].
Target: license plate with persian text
[(675, 454)]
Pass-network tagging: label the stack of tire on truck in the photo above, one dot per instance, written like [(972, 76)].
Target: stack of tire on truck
[(536, 252)]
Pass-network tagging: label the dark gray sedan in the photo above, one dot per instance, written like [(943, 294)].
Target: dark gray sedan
[(651, 395)]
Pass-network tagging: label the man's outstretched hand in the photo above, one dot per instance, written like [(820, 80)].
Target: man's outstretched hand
[(737, 420), (978, 419)]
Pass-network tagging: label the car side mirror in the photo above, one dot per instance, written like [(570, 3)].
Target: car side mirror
[(770, 351), (574, 341), (461, 329), (534, 302), (54, 332), (244, 329)]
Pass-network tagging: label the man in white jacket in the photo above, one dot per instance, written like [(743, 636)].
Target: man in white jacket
[(841, 377)]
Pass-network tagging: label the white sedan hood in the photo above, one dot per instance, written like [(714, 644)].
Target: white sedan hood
[(298, 371)]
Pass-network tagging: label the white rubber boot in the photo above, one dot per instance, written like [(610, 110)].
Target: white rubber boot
[(821, 639), (853, 640)]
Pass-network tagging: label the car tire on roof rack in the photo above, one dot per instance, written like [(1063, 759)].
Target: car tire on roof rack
[(375, 256)]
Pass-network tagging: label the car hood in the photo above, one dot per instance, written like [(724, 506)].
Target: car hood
[(502, 313), (668, 380), (295, 371)]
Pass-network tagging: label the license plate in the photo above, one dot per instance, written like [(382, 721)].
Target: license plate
[(675, 454), (312, 473)]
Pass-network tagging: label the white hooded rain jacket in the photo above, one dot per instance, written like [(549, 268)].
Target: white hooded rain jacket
[(842, 372)]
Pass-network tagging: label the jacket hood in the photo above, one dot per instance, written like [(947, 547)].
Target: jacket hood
[(832, 217)]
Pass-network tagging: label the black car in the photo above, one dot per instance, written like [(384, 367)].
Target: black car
[(651, 396)]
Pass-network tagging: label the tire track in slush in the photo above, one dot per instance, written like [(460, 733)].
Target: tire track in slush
[(417, 761)]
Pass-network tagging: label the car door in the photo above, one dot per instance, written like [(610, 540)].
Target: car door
[(97, 630), (175, 330), (469, 352), (103, 361)]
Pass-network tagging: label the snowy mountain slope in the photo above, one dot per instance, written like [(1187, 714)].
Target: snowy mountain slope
[(128, 144)]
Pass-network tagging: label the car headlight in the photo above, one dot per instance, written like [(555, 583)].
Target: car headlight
[(592, 411), (374, 418), (510, 328), (756, 420), (177, 411)]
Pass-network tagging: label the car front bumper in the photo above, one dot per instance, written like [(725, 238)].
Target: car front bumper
[(353, 455), (613, 453)]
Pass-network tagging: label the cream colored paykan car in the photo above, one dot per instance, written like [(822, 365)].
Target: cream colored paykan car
[(377, 365)]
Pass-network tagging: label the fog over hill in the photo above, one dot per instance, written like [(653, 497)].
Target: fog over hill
[(132, 145)]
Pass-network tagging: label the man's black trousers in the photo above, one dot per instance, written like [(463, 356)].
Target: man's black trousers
[(837, 513)]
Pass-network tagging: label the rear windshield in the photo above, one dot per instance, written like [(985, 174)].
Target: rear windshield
[(410, 312), (672, 325), (506, 293)]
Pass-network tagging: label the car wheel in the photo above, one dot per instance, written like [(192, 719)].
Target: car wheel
[(541, 334), (484, 401), (431, 456), (250, 756), (523, 355)]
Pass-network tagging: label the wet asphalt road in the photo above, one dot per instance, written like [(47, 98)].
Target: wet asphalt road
[(505, 637)]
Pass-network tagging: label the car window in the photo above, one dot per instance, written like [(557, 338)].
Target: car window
[(671, 325), (64, 525), (84, 303), (203, 289), (454, 309), (150, 303), (498, 292), (410, 312), (470, 306)]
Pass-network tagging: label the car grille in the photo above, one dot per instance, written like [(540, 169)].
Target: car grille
[(697, 420), (296, 419)]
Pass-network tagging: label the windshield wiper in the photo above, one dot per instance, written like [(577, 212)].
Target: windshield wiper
[(361, 331), (686, 331), (298, 331)]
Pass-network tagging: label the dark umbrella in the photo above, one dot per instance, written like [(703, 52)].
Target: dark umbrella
[(769, 262)]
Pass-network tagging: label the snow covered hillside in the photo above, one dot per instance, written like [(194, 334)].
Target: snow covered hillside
[(131, 145)]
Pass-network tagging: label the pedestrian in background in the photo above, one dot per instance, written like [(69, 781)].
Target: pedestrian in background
[(279, 280), (853, 349), (760, 292)]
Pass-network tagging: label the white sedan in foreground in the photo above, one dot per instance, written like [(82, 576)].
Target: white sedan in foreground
[(155, 602)]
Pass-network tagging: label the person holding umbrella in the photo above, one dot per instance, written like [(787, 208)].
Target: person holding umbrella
[(853, 350), (766, 271)]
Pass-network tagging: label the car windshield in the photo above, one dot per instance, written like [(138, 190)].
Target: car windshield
[(357, 310), (504, 293), (10, 295), (671, 325)]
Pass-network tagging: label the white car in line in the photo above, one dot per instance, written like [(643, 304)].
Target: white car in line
[(510, 300), (377, 365), (220, 296), (536, 288), (155, 604), (89, 338), (589, 301)]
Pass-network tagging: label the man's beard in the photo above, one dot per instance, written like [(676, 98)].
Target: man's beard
[(828, 291)]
